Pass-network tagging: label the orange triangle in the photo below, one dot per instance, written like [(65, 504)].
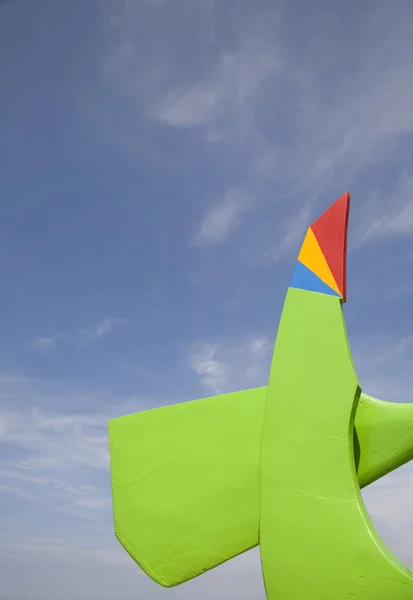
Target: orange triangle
[(313, 258)]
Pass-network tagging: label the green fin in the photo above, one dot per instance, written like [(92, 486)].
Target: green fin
[(385, 434), (185, 483), (185, 478)]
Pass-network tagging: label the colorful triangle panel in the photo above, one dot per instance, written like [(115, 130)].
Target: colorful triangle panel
[(330, 231), (304, 279), (312, 257)]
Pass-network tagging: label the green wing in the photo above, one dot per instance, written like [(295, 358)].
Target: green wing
[(185, 478), (385, 433), (185, 483)]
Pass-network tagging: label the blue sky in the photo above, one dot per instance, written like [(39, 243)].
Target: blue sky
[(159, 164)]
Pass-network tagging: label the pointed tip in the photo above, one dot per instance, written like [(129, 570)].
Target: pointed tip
[(336, 214), (330, 231)]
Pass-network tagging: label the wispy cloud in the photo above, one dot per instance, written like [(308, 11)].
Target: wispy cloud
[(391, 213), (55, 548), (216, 105), (260, 347), (105, 328), (238, 122), (232, 364), (44, 458), (54, 445), (223, 218), (188, 107), (212, 372), (292, 234), (47, 438), (81, 336), (280, 111), (44, 343), (229, 85)]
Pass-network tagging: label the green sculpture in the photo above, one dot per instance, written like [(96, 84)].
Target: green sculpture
[(198, 483)]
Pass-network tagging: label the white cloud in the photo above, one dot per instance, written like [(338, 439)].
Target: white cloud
[(55, 448), (81, 336), (58, 549), (261, 347), (44, 343), (322, 130), (280, 110), (391, 215), (230, 85), (232, 364), (212, 372), (106, 327), (43, 456), (383, 363), (188, 107), (292, 234), (223, 218), (54, 445), (56, 442)]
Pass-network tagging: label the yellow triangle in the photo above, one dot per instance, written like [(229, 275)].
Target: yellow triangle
[(313, 258)]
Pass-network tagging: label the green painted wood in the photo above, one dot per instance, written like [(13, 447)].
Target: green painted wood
[(185, 478), (385, 432), (316, 538), (185, 483)]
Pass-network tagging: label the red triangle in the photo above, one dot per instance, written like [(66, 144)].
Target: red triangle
[(331, 233)]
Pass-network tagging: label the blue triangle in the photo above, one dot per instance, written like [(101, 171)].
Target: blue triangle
[(304, 279)]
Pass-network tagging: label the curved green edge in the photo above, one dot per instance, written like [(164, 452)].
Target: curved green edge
[(185, 478), (385, 433), (316, 537)]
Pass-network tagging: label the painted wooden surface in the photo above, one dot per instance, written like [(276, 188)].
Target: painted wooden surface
[(312, 257), (331, 232), (169, 466), (185, 483), (316, 537), (198, 483)]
